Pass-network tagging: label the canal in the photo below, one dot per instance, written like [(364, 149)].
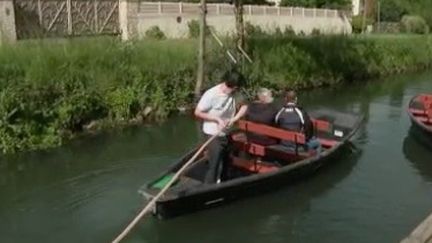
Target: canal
[(86, 191)]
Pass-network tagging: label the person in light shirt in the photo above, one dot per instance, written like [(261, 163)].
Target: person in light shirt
[(217, 108)]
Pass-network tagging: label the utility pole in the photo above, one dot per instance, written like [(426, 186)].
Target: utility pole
[(379, 15), (201, 51), (364, 16), (240, 38)]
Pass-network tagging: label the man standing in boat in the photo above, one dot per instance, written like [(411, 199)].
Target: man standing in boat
[(217, 108)]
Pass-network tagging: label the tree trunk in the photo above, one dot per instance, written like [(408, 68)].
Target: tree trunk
[(240, 36), (201, 51)]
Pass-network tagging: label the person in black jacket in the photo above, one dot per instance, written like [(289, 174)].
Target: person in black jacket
[(262, 111), (293, 118)]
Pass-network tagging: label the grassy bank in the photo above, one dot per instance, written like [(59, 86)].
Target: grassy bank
[(52, 90)]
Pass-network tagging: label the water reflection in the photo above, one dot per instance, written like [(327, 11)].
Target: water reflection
[(417, 148)]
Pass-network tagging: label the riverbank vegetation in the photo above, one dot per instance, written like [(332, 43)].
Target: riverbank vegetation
[(52, 90)]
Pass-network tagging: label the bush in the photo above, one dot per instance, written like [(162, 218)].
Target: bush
[(253, 30), (392, 11), (315, 32), (357, 23), (414, 24), (194, 28), (289, 31), (338, 4), (155, 33)]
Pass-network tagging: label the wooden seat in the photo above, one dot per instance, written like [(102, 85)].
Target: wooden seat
[(327, 143), (417, 112), (297, 138), (321, 125), (261, 151), (429, 113), (253, 166)]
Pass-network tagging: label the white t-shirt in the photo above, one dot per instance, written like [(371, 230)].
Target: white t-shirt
[(219, 104)]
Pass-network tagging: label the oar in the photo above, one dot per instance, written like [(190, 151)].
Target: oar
[(164, 189)]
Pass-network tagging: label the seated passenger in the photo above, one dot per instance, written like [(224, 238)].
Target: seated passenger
[(262, 111), (293, 118)]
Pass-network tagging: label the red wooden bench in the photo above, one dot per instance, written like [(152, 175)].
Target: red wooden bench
[(253, 166), (272, 132), (282, 134)]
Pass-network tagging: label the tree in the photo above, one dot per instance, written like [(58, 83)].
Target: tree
[(391, 10)]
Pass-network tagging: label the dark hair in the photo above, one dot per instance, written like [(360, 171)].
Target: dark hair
[(290, 94), (233, 79)]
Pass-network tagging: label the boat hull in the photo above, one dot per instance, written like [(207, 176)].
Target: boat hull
[(216, 195), (417, 124), (190, 194)]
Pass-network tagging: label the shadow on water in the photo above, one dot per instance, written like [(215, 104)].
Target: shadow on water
[(417, 148), (256, 214)]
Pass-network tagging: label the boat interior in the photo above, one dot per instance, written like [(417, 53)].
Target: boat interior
[(249, 157)]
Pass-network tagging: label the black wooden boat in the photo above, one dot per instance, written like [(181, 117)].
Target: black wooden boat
[(253, 168), (420, 113)]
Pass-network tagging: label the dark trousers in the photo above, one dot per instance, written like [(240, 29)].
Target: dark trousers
[(218, 154)]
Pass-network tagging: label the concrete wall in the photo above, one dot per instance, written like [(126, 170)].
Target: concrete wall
[(356, 7), (226, 24), (173, 19), (7, 21)]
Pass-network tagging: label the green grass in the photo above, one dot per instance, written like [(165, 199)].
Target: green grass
[(53, 89)]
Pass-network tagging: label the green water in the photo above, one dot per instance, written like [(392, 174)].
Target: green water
[(87, 191)]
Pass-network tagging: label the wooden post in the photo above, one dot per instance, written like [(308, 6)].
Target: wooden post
[(159, 7), (201, 51), (97, 30), (69, 16), (40, 13), (180, 7)]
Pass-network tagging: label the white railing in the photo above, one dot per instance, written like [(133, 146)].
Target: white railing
[(168, 8)]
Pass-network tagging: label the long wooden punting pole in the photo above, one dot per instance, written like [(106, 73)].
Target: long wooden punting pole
[(149, 206), (201, 51)]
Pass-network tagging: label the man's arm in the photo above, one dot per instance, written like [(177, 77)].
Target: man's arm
[(242, 111), (206, 116)]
